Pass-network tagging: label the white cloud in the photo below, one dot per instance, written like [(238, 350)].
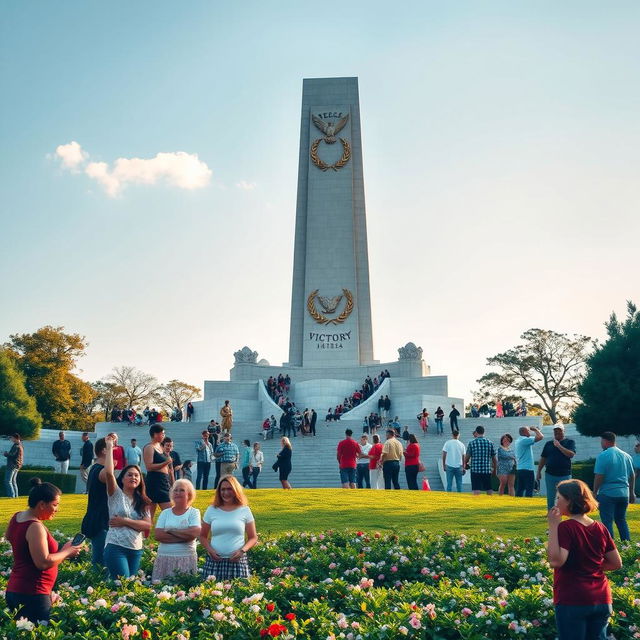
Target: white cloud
[(246, 186), (178, 169), (71, 155)]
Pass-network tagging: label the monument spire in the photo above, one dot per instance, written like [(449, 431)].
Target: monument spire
[(330, 301)]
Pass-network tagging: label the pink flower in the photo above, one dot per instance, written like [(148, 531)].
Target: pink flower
[(129, 630), (394, 568), (415, 622), (513, 625), (466, 612), (332, 565), (424, 571)]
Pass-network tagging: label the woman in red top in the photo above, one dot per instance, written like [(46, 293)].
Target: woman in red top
[(35, 554), (412, 462), (375, 474), (580, 550)]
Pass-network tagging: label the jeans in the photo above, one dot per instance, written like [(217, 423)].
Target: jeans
[(390, 472), (121, 561), (614, 509), (578, 622), (453, 423), (524, 483), (439, 427), (215, 483), (203, 474), (97, 548), (454, 472), (411, 472), (10, 482), (362, 476), (551, 482), (33, 607), (246, 477), (255, 472)]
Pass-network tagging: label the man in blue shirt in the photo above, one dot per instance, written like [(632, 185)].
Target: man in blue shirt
[(246, 464), (204, 456), (613, 485), (524, 460)]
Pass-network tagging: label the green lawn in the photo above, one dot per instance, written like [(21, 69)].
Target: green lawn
[(321, 509)]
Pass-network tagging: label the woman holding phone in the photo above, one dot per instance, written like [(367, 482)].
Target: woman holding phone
[(35, 554)]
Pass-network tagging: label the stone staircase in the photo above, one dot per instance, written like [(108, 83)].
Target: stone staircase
[(314, 458)]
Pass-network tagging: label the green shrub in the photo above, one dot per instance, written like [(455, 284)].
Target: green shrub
[(66, 483), (583, 470)]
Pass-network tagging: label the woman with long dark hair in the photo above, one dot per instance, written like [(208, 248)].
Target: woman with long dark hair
[(506, 468), (35, 554), (129, 517)]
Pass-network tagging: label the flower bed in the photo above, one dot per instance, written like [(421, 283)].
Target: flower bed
[(335, 585)]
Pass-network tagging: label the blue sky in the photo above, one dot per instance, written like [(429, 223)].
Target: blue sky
[(501, 172)]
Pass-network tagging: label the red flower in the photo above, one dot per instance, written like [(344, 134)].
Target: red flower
[(359, 533), (146, 634), (271, 606), (275, 629), (487, 576), (290, 616), (263, 632)]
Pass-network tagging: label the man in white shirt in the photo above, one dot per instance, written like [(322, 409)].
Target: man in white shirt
[(362, 468), (453, 453)]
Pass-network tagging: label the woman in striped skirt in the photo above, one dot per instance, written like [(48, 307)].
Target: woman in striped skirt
[(228, 532)]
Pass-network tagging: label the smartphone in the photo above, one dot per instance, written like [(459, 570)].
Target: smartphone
[(78, 539)]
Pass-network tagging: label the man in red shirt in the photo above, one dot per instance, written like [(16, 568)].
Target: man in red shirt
[(348, 452)]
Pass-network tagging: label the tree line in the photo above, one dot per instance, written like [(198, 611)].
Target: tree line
[(573, 378), (563, 377), (38, 386)]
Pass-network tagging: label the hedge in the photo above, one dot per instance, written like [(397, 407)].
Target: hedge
[(65, 482)]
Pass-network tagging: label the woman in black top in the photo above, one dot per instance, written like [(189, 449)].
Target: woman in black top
[(157, 464), (284, 462)]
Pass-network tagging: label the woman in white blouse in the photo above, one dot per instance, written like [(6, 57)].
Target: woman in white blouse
[(128, 516), (256, 460), (177, 530), (228, 531)]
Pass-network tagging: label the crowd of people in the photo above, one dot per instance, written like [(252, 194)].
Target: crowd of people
[(502, 408), (152, 415), (278, 388), (122, 502)]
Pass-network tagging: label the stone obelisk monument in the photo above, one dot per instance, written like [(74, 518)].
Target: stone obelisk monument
[(330, 302)]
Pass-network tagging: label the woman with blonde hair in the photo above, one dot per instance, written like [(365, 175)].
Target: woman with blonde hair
[(177, 530), (580, 550), (283, 464), (228, 532)]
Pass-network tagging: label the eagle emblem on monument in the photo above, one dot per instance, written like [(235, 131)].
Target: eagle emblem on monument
[(329, 306), (330, 129)]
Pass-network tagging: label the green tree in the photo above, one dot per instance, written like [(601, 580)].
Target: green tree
[(139, 388), (47, 358), (610, 391), (176, 394), (108, 396), (547, 365), (18, 412)]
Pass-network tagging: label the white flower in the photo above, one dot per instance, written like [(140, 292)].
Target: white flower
[(100, 602), (24, 624)]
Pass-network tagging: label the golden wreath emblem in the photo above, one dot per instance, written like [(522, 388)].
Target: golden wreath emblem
[(322, 319), (330, 129)]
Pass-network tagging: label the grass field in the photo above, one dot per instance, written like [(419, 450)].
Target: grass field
[(318, 510)]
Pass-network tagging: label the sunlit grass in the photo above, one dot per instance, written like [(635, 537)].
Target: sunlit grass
[(322, 509)]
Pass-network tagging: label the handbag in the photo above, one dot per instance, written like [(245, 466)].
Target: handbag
[(276, 465), (421, 467)]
